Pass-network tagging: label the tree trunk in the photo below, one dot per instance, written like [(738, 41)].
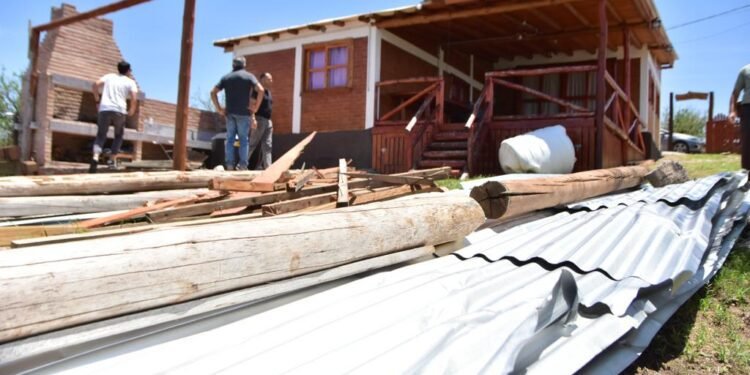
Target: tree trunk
[(513, 198), (54, 286)]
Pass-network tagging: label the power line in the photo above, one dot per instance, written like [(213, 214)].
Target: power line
[(709, 17), (714, 35)]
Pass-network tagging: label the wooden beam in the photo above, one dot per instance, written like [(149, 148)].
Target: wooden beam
[(343, 186), (628, 68), (539, 94), (514, 198), (572, 9), (183, 91), (420, 18), (273, 173), (102, 278), (110, 182), (225, 184), (90, 14), (601, 86)]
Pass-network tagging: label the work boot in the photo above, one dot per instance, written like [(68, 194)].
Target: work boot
[(112, 164)]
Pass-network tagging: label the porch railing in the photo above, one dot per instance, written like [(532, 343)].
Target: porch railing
[(422, 122), (621, 115)]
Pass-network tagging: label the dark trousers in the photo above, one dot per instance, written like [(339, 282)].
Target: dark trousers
[(745, 135), (107, 118), (262, 136)]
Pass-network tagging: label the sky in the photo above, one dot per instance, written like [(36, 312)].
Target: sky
[(711, 52)]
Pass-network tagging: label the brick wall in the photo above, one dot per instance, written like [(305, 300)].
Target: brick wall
[(84, 49), (281, 66), (74, 105), (339, 108), (164, 113)]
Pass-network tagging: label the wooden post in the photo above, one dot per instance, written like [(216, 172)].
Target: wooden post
[(343, 192), (183, 91), (601, 85), (671, 120), (627, 85), (710, 107)]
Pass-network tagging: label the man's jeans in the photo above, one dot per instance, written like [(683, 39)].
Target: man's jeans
[(105, 119), (262, 135), (236, 125)]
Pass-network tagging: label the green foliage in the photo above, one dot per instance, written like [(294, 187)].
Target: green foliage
[(687, 121), (10, 103)]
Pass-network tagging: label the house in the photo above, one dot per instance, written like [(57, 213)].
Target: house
[(71, 59), (444, 82)]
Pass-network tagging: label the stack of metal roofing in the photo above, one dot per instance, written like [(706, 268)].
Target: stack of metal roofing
[(584, 289)]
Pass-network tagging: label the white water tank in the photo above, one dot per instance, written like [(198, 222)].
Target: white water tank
[(547, 150)]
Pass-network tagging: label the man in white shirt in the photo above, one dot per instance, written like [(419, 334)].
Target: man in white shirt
[(115, 90)]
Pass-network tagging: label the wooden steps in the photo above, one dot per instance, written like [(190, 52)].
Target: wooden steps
[(452, 136), (448, 146), (445, 154)]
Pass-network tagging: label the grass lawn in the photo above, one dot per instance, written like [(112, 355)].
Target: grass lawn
[(710, 334)]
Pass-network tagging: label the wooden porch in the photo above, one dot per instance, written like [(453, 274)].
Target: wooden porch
[(415, 132)]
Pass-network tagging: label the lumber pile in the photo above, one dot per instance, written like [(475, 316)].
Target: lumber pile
[(126, 200)]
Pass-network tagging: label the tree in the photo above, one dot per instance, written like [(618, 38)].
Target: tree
[(203, 101), (688, 121), (10, 103)]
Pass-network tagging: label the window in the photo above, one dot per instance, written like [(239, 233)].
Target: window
[(328, 66)]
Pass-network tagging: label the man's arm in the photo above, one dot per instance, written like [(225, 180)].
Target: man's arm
[(133, 102), (215, 100), (738, 86), (255, 105), (96, 88)]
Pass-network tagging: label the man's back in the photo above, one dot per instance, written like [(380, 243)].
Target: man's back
[(238, 85), (115, 93)]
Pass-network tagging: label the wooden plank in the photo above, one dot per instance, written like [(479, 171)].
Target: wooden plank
[(249, 186), (392, 192), (80, 282), (298, 204), (268, 198), (284, 163), (400, 180), (10, 234), (299, 182), (143, 210), (343, 186)]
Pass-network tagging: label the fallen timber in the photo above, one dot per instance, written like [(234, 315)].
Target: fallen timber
[(83, 281), (513, 198), (111, 183), (80, 204)]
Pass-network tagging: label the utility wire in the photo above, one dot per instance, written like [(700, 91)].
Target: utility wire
[(709, 17), (714, 35)]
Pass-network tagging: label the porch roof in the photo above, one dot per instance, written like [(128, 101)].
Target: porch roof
[(503, 29)]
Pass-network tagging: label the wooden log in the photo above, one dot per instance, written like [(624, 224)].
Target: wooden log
[(512, 198), (111, 183), (667, 172), (77, 339), (78, 204), (84, 281)]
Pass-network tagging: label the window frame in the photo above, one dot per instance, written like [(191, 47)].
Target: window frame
[(326, 47)]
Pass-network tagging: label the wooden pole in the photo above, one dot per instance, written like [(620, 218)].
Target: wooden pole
[(183, 91), (514, 198), (671, 120), (601, 86), (627, 84), (84, 281), (710, 107)]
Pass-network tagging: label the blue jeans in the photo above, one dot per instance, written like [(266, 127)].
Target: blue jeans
[(236, 126)]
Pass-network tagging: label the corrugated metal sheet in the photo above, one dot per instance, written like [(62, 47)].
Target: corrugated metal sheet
[(547, 296)]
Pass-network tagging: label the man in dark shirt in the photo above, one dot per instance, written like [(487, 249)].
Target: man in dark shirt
[(742, 86), (238, 86), (263, 132)]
